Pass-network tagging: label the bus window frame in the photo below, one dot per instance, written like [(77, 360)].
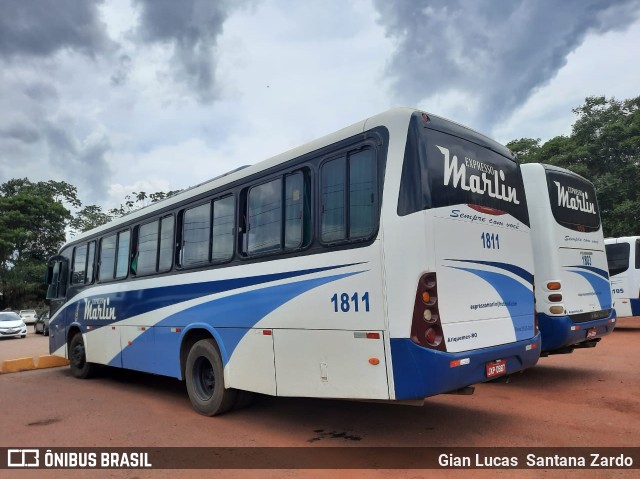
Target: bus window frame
[(115, 257), (379, 183)]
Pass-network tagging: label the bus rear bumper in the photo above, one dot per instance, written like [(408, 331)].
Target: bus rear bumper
[(419, 372), (560, 332)]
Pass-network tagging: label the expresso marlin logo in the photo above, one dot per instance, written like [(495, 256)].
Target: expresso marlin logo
[(574, 199), (489, 182), (98, 308)]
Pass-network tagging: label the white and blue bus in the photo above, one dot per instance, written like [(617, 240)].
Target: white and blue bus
[(573, 298), (623, 255), (390, 260)]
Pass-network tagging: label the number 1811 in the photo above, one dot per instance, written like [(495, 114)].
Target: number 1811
[(490, 240)]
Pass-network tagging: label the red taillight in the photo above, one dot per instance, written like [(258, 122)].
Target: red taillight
[(425, 117), (433, 337), (426, 328), (555, 298)]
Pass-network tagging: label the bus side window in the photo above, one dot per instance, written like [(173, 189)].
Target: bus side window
[(294, 210), (147, 249), (91, 259), (223, 229), (638, 254), (78, 268), (265, 217), (122, 259), (333, 179), (107, 262), (349, 191), (277, 215), (165, 253), (196, 226)]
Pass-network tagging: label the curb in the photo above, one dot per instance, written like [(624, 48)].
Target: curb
[(26, 364), (15, 365), (49, 361)]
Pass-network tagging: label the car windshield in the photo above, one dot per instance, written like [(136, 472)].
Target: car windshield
[(9, 317), (27, 311)]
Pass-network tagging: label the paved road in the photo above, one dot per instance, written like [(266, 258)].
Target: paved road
[(34, 345), (588, 398)]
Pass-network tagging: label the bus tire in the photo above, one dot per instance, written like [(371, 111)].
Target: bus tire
[(80, 367), (204, 375)]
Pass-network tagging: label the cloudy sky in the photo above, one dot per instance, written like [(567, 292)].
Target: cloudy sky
[(118, 96)]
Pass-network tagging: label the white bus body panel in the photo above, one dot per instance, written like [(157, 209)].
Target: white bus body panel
[(474, 313), (326, 363), (625, 286)]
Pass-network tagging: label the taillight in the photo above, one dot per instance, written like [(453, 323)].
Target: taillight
[(426, 328), (555, 287)]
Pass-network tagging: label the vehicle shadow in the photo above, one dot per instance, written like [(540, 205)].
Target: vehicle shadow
[(626, 329), (547, 376), (330, 422)]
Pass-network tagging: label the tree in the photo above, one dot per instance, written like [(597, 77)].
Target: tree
[(92, 216), (33, 219), (88, 218), (604, 147), (137, 200)]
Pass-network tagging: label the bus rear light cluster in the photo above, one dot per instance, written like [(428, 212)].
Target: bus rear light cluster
[(426, 328), (555, 297)]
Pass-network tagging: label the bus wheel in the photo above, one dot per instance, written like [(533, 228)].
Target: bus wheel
[(80, 367), (205, 380)]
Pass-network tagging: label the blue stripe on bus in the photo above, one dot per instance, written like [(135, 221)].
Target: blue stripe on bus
[(598, 271), (517, 270), (517, 298), (600, 286), (135, 302), (228, 319)]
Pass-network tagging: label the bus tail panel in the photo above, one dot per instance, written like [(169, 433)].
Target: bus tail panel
[(419, 372), (485, 284), (562, 331), (584, 282)]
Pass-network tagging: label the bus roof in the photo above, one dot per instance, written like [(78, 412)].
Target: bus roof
[(386, 117)]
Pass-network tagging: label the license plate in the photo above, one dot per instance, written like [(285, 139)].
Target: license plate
[(496, 368), (591, 333)]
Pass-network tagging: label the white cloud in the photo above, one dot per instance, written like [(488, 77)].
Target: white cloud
[(602, 65), (119, 118)]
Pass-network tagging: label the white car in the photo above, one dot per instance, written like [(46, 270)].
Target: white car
[(29, 316), (12, 325)]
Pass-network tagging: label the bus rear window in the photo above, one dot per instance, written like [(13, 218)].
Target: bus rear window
[(442, 169), (573, 201), (617, 257)]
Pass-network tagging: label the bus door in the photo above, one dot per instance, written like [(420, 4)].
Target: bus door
[(57, 280)]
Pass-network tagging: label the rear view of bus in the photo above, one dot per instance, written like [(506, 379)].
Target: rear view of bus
[(623, 256), (573, 296), (459, 264)]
